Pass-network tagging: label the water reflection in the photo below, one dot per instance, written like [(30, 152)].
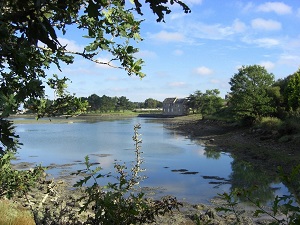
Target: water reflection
[(207, 172), (246, 176), (211, 152)]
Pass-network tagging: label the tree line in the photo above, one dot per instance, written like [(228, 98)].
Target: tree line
[(254, 94), (106, 104), (100, 104)]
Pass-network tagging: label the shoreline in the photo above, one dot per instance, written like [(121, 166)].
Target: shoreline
[(227, 138)]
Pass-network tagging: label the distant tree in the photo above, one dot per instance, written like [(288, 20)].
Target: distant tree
[(94, 102), (123, 103), (151, 103), (205, 103), (292, 91), (249, 97), (108, 104), (211, 102), (192, 102), (277, 101)]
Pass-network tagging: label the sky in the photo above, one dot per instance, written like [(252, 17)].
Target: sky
[(197, 51)]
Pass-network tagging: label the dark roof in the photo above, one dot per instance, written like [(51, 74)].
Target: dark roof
[(175, 100), (169, 100)]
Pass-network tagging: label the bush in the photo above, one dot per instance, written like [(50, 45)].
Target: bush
[(12, 181), (270, 123)]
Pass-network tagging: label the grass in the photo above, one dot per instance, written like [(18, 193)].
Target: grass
[(13, 214), (270, 123), (31, 119)]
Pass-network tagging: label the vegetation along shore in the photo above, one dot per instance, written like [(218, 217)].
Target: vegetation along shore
[(258, 121)]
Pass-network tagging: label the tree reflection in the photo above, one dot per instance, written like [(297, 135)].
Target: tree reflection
[(211, 152), (246, 176)]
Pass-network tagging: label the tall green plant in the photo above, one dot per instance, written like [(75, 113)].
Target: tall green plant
[(120, 202)]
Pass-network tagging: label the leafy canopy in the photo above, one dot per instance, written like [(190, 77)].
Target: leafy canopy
[(206, 103), (292, 91), (249, 96)]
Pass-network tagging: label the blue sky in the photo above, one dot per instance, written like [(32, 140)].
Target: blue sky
[(197, 51)]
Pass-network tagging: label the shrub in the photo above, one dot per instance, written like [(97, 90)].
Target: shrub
[(12, 181), (270, 123)]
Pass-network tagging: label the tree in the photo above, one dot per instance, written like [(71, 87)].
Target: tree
[(249, 98), (193, 101), (211, 102), (94, 102), (151, 103), (206, 103), (108, 104), (292, 92), (29, 46), (123, 103)]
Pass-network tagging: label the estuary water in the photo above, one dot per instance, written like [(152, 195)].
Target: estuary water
[(174, 163)]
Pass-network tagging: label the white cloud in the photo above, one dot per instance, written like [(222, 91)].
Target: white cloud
[(196, 30), (177, 84), (238, 26), (174, 16), (289, 59), (145, 54), (215, 81), (262, 42), (204, 71), (266, 42), (263, 24), (168, 36), (70, 45), (177, 52), (277, 7), (193, 2), (245, 8), (267, 64)]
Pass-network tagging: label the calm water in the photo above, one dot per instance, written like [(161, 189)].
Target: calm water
[(167, 154)]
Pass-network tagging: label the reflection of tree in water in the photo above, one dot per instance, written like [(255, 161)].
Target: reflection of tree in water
[(292, 181), (211, 152), (246, 176)]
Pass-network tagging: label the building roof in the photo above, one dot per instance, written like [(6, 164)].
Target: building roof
[(174, 100)]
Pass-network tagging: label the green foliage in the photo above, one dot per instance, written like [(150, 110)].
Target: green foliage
[(16, 182), (151, 103), (249, 97), (205, 103), (292, 91), (8, 138), (270, 123), (106, 104)]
